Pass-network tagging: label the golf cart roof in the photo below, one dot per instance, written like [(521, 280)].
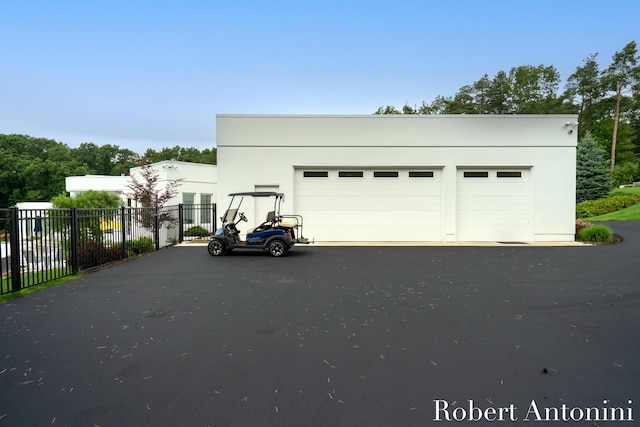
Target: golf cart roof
[(257, 194)]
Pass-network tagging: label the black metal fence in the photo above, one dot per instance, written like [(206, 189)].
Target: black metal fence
[(41, 245)]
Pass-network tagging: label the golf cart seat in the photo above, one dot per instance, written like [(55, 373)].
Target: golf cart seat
[(271, 216), (272, 221)]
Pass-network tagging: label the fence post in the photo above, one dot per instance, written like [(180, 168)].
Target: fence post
[(180, 223), (75, 241), (215, 217), (156, 227), (16, 253), (123, 230)]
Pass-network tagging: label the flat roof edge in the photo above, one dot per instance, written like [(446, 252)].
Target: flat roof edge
[(402, 116)]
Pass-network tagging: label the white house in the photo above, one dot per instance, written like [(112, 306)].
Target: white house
[(34, 205), (443, 178), (198, 185), (75, 185)]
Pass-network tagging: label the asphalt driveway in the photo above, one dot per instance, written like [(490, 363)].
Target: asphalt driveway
[(331, 336)]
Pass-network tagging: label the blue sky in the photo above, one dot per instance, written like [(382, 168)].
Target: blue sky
[(150, 74)]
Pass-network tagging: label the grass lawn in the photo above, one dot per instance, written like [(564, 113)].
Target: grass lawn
[(36, 288), (635, 190), (627, 214)]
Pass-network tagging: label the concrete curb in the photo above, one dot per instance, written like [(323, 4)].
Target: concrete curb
[(417, 244)]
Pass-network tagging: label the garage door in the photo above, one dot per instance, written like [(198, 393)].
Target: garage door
[(370, 204), (493, 205)]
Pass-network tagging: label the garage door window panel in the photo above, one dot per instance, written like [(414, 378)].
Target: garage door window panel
[(420, 174), (476, 174), (509, 174), (385, 174), (351, 174), (316, 174)]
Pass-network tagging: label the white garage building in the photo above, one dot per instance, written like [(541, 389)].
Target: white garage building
[(407, 177)]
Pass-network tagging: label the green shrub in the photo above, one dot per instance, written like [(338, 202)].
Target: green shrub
[(140, 246), (625, 174), (196, 231), (607, 205), (596, 233)]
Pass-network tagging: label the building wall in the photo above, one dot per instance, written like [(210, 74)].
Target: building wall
[(75, 185), (197, 179), (266, 151)]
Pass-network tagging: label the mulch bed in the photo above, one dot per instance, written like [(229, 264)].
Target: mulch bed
[(614, 241)]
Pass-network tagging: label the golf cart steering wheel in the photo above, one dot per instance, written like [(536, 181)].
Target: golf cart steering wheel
[(242, 217)]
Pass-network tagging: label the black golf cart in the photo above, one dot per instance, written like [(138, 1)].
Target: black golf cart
[(277, 234)]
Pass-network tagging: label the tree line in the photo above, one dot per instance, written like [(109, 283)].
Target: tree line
[(34, 169), (606, 99)]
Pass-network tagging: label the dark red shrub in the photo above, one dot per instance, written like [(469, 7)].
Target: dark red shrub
[(93, 254)]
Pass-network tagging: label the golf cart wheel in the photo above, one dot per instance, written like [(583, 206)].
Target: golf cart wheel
[(215, 247), (277, 248)]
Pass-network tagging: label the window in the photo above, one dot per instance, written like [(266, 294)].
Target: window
[(385, 174), (472, 174), (315, 174), (350, 174), (420, 174), (188, 199), (509, 174)]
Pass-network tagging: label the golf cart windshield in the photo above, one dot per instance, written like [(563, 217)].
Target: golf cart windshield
[(229, 216)]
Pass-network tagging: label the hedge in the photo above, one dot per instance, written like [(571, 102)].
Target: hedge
[(616, 202)]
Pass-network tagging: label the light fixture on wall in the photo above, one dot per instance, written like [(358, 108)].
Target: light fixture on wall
[(571, 126)]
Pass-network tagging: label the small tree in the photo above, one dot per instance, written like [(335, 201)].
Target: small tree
[(90, 225), (625, 173), (87, 199), (593, 179), (146, 192)]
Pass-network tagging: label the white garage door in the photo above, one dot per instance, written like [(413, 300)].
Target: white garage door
[(370, 204), (493, 205)]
